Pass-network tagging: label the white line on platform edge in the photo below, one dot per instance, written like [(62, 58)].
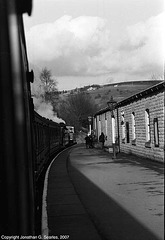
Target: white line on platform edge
[(44, 223)]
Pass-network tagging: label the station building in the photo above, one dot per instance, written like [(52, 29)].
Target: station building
[(135, 125)]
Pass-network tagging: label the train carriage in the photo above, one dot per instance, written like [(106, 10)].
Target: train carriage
[(71, 134), (28, 141), (41, 144), (55, 136)]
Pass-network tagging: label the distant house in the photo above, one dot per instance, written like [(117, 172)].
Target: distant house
[(137, 126), (91, 89)]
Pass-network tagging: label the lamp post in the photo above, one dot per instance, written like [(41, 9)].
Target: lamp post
[(111, 105), (90, 122)]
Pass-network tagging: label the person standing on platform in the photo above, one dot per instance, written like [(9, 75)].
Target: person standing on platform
[(91, 141), (102, 139), (87, 141)]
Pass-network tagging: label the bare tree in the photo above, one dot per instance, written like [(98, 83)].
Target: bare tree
[(48, 83), (76, 109)]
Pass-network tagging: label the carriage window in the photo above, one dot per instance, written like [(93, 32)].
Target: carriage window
[(156, 132)]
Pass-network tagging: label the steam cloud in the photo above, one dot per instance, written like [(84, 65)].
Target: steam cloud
[(41, 107), (46, 110)]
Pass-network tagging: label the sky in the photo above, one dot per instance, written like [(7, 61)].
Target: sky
[(85, 42)]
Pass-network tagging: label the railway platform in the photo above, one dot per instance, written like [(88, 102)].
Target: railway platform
[(64, 216), (89, 195)]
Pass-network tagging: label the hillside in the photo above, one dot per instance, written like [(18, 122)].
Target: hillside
[(119, 91), (102, 93)]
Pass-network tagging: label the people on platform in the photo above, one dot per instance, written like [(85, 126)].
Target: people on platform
[(89, 141), (102, 140)]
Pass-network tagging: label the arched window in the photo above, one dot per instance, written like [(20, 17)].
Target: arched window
[(123, 127), (133, 127), (156, 132), (99, 126), (106, 127), (147, 123), (127, 132), (113, 130)]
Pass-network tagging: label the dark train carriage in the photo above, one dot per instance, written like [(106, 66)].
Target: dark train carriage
[(71, 134), (28, 141), (66, 137), (41, 144), (55, 137), (48, 141)]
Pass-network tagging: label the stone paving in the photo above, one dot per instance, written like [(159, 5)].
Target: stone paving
[(91, 196), (66, 216), (124, 196)]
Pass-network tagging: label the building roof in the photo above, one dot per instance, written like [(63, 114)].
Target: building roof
[(160, 87)]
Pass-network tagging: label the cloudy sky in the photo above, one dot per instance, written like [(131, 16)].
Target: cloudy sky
[(96, 41)]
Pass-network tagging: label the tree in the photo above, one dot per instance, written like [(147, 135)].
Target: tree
[(48, 83), (76, 108)]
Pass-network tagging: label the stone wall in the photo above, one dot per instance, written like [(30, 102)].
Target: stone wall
[(145, 139), (155, 104)]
